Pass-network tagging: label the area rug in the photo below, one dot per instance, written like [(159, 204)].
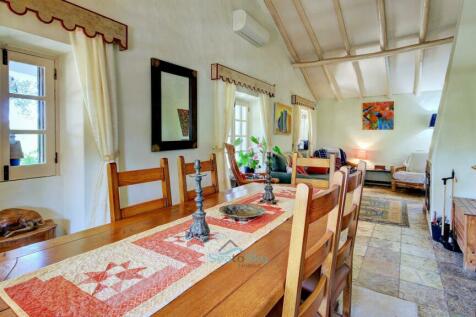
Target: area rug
[(384, 210)]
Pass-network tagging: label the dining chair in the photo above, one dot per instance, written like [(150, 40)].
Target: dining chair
[(318, 259), (185, 169), (240, 178), (328, 164), (127, 178), (353, 198)]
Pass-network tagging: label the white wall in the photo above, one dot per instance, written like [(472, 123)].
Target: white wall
[(189, 33), (454, 144), (339, 124), (193, 34)]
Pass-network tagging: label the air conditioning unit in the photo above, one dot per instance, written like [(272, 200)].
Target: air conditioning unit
[(249, 28)]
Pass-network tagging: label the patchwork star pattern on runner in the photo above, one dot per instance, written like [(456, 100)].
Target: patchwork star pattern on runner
[(112, 278), (180, 239), (142, 273)]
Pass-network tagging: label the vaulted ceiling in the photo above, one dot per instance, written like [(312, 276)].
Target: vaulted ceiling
[(414, 38)]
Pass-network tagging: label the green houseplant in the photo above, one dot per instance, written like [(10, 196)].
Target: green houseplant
[(249, 159)]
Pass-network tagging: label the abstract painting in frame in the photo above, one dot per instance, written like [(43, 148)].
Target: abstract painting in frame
[(283, 118), (378, 115)]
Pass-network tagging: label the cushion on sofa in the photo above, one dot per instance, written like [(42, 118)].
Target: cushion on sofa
[(278, 163), (317, 170), (301, 170), (410, 177), (416, 163)]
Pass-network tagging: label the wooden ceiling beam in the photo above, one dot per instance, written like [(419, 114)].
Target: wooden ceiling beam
[(317, 48), (422, 38), (345, 38), (382, 19), (287, 41), (388, 52)]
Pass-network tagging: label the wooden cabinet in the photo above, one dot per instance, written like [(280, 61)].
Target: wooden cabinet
[(464, 226), (42, 233)]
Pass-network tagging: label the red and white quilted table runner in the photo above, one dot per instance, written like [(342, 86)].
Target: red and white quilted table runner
[(141, 274)]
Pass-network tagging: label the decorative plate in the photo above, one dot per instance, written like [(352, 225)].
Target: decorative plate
[(241, 211)]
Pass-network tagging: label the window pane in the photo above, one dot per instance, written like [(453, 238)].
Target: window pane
[(26, 79), (28, 148), (237, 128), (26, 114), (237, 112), (244, 112), (243, 128)]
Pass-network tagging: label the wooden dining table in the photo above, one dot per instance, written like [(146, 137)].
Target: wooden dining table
[(235, 289)]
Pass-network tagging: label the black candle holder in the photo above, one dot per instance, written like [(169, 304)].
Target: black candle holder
[(199, 228), (268, 195)]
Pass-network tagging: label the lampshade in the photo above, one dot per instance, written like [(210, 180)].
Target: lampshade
[(432, 120), (360, 154)]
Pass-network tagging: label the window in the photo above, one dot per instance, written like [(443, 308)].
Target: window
[(239, 128), (304, 129), (27, 116)]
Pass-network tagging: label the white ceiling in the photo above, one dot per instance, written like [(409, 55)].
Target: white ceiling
[(361, 21)]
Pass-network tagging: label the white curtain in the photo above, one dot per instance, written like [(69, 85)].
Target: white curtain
[(296, 126), (265, 106), (95, 64), (311, 131), (224, 108)]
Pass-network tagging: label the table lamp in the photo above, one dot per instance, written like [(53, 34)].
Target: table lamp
[(360, 154)]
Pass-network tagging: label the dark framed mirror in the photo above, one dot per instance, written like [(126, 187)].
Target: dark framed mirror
[(174, 106)]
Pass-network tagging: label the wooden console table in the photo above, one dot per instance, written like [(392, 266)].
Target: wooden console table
[(42, 233), (464, 220)]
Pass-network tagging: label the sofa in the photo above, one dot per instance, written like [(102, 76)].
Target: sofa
[(281, 165), (411, 174)]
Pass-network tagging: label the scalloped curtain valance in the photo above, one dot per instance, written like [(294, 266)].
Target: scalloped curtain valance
[(73, 17), (232, 76), (301, 101)]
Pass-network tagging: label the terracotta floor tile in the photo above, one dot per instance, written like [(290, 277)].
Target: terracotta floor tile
[(384, 244), (426, 278), (423, 242), (423, 295), (417, 251), (419, 263), (360, 249), (379, 283), (428, 274)]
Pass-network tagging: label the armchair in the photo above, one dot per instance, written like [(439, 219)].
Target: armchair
[(411, 174)]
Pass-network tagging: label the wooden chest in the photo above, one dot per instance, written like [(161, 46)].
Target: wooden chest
[(42, 233), (464, 216)]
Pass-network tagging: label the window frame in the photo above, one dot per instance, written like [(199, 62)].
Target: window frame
[(301, 112), (49, 167), (245, 104)]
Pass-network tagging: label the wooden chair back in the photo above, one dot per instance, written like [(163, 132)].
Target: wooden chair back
[(127, 178), (240, 179), (329, 163), (350, 219), (306, 260), (185, 169)]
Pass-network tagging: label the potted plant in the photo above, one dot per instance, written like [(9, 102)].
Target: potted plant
[(249, 160)]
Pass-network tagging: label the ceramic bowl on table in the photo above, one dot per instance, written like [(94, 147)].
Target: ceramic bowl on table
[(242, 212)]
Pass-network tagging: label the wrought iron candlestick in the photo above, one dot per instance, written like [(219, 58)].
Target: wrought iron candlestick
[(268, 196), (199, 228)]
